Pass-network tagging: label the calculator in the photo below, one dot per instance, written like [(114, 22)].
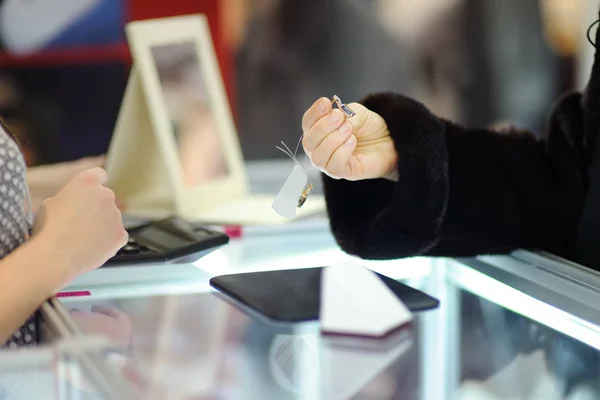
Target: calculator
[(172, 240)]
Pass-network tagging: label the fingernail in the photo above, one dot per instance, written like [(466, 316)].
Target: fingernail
[(120, 204), (323, 105), (350, 141), (335, 116), (345, 128)]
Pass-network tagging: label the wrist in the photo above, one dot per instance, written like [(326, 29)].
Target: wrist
[(392, 173), (392, 176), (49, 262)]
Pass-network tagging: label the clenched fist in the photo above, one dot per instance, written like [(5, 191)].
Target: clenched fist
[(81, 224), (348, 148)]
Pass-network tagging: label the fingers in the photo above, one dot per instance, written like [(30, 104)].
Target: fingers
[(315, 112), (124, 238), (328, 138), (322, 154), (100, 173), (339, 163), (92, 162), (120, 204), (332, 122), (94, 175)]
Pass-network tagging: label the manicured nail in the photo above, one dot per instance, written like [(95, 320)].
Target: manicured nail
[(120, 204), (335, 116), (323, 105)]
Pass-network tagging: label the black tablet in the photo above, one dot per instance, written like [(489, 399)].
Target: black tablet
[(294, 295)]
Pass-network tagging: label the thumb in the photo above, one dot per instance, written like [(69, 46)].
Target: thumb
[(98, 173), (92, 162), (362, 114)]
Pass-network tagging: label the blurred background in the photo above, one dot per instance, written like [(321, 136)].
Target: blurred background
[(64, 66)]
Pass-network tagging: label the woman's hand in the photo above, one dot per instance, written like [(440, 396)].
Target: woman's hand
[(45, 181), (348, 148), (81, 224)]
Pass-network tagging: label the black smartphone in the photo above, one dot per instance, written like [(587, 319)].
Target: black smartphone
[(294, 295)]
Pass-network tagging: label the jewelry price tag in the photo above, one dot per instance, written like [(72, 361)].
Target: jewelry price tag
[(286, 202), (295, 190)]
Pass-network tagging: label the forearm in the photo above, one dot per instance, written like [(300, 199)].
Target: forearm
[(44, 181), (506, 191), (25, 283), (460, 192), (41, 184)]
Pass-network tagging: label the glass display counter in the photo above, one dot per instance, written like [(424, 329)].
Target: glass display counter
[(68, 369), (521, 326)]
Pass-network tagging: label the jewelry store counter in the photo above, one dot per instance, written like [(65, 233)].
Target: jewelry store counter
[(67, 369), (524, 326)]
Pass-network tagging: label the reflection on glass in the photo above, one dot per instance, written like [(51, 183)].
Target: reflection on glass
[(294, 362), (193, 122), (52, 372), (172, 345), (506, 355)]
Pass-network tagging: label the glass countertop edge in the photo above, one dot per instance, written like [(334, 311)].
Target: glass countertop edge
[(562, 277), (527, 298), (560, 266)]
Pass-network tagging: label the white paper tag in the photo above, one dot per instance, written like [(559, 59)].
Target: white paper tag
[(286, 202)]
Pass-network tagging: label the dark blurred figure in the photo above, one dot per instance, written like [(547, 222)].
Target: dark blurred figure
[(493, 60), (294, 53), (32, 119)]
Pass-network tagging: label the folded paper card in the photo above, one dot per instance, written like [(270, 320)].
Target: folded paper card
[(356, 302)]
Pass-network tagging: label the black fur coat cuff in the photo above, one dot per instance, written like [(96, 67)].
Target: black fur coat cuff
[(464, 192), (378, 218)]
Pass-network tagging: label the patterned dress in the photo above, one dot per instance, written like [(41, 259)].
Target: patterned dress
[(16, 220)]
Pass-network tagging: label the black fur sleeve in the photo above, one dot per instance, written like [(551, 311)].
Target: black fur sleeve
[(463, 192)]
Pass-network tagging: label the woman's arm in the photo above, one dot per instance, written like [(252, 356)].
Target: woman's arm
[(28, 276), (462, 192), (75, 231)]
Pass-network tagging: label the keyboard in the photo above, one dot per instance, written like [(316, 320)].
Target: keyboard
[(171, 240)]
